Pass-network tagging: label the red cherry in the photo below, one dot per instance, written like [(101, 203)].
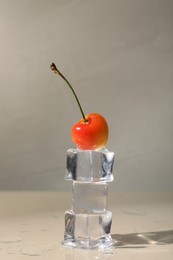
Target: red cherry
[(91, 134)]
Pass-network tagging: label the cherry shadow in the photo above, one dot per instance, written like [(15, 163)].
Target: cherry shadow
[(142, 240)]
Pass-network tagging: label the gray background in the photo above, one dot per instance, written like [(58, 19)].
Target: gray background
[(118, 55)]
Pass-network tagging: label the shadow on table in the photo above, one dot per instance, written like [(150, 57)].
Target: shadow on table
[(142, 240)]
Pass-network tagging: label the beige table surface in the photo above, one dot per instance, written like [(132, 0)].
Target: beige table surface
[(32, 226)]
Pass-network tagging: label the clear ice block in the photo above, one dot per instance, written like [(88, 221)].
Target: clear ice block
[(89, 197), (88, 223), (88, 230), (89, 165)]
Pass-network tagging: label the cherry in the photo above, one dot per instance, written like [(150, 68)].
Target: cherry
[(91, 132)]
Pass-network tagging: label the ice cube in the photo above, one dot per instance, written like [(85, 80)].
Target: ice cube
[(89, 197), (90, 165), (88, 230)]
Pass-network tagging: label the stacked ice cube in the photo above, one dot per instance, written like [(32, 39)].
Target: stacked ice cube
[(88, 222)]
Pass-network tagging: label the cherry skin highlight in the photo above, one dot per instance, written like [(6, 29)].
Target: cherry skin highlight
[(90, 134)]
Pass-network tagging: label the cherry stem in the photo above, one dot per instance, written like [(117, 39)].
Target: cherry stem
[(56, 71)]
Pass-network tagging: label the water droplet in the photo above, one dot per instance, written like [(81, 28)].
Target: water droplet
[(25, 227), (25, 230), (36, 250), (44, 229), (13, 250), (55, 216), (135, 213), (10, 239)]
